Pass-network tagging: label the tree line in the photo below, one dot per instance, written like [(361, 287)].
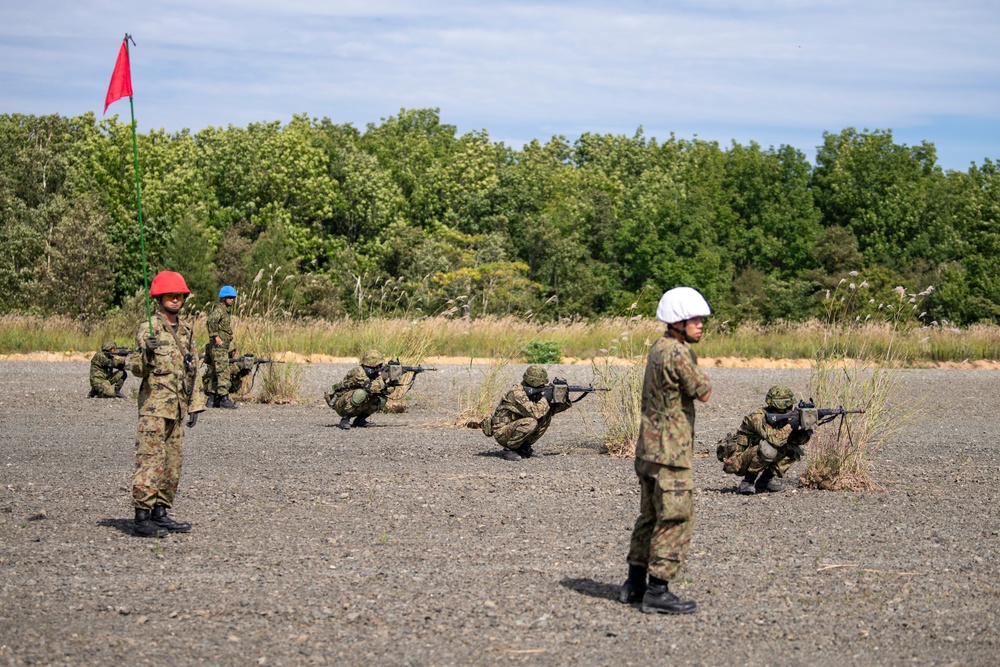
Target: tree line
[(409, 217)]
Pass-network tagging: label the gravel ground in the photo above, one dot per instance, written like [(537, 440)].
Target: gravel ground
[(414, 544)]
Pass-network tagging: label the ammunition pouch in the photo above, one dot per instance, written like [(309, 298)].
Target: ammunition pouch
[(395, 373), (727, 447), (560, 393), (487, 426)]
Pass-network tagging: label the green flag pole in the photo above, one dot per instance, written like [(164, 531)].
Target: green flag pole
[(138, 200)]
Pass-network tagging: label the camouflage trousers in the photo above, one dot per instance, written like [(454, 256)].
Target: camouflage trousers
[(157, 461), (663, 530), (343, 404), (217, 378), (749, 461), (521, 432), (108, 388)]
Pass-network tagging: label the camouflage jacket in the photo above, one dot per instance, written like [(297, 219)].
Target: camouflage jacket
[(515, 405), (220, 323), (104, 366), (357, 378), (169, 386), (669, 387), (755, 428)]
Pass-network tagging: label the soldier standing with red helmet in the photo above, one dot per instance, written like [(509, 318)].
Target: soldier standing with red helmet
[(167, 363)]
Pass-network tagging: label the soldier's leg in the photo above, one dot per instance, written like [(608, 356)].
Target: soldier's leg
[(173, 454), (515, 433), (102, 389), (668, 545), (634, 587), (220, 361), (535, 436), (150, 461), (642, 532), (674, 503)]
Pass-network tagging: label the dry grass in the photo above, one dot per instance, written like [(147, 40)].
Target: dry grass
[(840, 457), (621, 369)]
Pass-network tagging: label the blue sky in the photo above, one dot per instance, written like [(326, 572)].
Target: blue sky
[(775, 72)]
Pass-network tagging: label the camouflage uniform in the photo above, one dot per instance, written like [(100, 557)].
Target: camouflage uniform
[(663, 458), (747, 457), (107, 372), (169, 390), (218, 378), (357, 395), (518, 422)]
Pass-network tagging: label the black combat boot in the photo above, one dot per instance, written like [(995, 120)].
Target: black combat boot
[(92, 394), (634, 587), (659, 600), (767, 482), (747, 484), (345, 423), (143, 526), (361, 421), (223, 401), (527, 452), (209, 400), (161, 519)]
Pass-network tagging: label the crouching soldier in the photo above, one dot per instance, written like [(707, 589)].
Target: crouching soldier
[(107, 372), (521, 419), (361, 393), (762, 453)]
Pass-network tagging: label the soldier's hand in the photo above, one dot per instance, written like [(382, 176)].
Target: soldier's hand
[(149, 347), (377, 385), (192, 419)]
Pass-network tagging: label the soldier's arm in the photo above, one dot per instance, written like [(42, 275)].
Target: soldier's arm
[(525, 407), (693, 381), (778, 437)]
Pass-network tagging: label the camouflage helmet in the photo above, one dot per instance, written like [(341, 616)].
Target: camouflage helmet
[(372, 359), (780, 397), (108, 345), (535, 376)]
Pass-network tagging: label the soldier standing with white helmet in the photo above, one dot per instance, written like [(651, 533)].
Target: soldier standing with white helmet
[(663, 455)]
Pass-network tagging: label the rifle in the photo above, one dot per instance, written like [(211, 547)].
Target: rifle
[(558, 391), (121, 352), (806, 416), (392, 372)]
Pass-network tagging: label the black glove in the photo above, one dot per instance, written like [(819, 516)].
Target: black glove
[(150, 347), (192, 419)]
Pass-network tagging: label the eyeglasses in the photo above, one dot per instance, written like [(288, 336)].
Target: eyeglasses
[(173, 297)]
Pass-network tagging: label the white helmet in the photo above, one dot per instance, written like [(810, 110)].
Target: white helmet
[(681, 303)]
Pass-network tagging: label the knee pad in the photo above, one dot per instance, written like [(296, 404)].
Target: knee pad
[(766, 452), (359, 397)]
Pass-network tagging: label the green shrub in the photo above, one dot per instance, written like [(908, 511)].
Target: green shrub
[(542, 352)]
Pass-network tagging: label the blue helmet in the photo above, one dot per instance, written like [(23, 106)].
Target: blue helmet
[(227, 291)]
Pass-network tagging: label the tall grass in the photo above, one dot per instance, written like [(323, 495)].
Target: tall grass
[(621, 369), (856, 370), (482, 338), (258, 316)]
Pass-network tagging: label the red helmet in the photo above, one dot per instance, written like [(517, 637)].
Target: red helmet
[(168, 282)]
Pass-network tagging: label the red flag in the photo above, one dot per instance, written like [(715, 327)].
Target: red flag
[(121, 79)]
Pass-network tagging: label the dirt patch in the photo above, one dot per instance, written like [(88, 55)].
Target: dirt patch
[(412, 543)]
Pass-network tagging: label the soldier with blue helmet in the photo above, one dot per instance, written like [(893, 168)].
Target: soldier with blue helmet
[(217, 379)]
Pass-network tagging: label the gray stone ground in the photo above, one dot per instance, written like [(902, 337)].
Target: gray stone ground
[(414, 544)]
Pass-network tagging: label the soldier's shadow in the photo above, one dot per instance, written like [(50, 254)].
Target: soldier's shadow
[(121, 525), (591, 588)]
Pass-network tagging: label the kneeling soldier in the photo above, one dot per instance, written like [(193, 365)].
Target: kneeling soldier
[(761, 452), (107, 372), (520, 420), (361, 393)]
